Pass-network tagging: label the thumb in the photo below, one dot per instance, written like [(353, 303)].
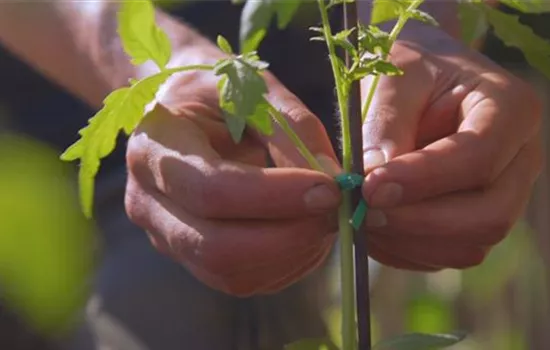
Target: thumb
[(391, 124)]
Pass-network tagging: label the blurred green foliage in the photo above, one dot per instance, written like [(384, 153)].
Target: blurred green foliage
[(46, 246)]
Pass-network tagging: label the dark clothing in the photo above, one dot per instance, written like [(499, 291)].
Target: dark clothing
[(142, 300)]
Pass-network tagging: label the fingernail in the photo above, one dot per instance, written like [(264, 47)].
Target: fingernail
[(386, 195), (373, 159), (376, 218), (329, 165), (321, 198)]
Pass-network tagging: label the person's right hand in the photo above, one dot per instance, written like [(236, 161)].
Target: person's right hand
[(214, 206)]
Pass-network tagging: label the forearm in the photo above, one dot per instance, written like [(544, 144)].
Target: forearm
[(76, 44)]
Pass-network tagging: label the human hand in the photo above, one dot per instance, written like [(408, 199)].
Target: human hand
[(455, 147), (214, 206)]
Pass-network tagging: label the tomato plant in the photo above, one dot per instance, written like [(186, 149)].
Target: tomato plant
[(242, 99)]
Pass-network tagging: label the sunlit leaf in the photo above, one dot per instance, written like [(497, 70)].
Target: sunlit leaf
[(242, 89), (141, 38), (123, 110), (224, 45), (384, 10)]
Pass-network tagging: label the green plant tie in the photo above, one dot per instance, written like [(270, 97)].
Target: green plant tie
[(348, 182)]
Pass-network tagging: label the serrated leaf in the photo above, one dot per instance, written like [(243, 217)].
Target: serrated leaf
[(422, 17), (515, 34), (123, 110), (141, 38), (473, 22), (312, 344), (386, 68), (384, 10), (528, 6), (372, 39), (341, 39), (419, 341), (256, 17), (242, 91), (261, 119), (224, 45)]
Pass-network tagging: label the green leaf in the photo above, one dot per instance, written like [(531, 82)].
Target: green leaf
[(419, 341), (256, 17), (372, 39), (473, 22), (514, 34), (341, 39), (224, 45), (312, 344), (384, 10), (528, 6), (286, 9), (242, 90), (123, 110), (141, 38), (261, 119), (422, 17)]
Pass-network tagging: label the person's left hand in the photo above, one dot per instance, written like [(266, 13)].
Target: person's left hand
[(455, 147)]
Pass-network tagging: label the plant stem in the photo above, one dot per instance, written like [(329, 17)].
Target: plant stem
[(349, 337), (362, 288), (287, 129), (188, 68), (403, 18)]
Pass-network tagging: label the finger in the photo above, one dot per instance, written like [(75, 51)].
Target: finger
[(223, 247), (312, 261), (493, 131), (389, 258), (481, 217), (434, 254), (390, 127), (175, 157), (276, 275), (305, 124), (284, 152)]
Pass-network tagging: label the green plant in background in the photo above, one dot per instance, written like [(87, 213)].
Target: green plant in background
[(242, 99)]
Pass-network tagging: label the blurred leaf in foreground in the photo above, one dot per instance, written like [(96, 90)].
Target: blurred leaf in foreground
[(46, 245)]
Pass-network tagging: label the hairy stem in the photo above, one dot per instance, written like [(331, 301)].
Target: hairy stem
[(287, 129), (347, 278), (188, 68), (403, 18)]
